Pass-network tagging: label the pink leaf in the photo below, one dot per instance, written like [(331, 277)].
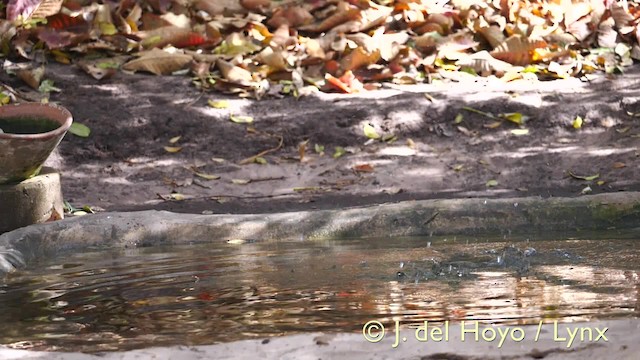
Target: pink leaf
[(16, 8), (32, 8)]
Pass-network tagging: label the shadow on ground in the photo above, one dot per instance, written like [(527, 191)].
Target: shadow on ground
[(123, 164)]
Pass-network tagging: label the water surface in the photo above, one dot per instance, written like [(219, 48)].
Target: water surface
[(218, 292)]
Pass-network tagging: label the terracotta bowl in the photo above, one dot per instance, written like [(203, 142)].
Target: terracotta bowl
[(22, 155)]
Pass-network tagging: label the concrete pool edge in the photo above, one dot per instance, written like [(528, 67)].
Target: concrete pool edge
[(550, 341), (525, 216)]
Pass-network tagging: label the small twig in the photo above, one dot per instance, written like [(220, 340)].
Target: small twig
[(198, 183), (433, 217), (490, 116), (19, 94), (253, 158), (248, 196), (196, 99), (267, 179)]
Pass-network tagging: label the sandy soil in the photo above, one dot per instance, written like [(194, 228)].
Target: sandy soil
[(123, 164)]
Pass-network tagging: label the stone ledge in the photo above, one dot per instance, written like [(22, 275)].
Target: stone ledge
[(530, 217), (32, 201)]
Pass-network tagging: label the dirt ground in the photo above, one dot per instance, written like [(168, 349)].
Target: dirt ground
[(123, 164)]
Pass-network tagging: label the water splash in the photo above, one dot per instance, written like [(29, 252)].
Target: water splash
[(10, 260)]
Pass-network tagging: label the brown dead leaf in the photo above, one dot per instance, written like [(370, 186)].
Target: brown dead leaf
[(57, 39), (619, 165), (575, 12), (158, 62), (206, 176), (517, 50), (256, 5), (32, 77), (465, 131), (359, 57), (580, 29), (101, 68), (347, 83), (219, 7), (166, 35), (273, 59), (172, 149), (152, 21), (345, 12), (607, 35), (620, 15), (363, 168), (234, 74), (293, 17), (493, 34), (96, 72), (302, 148), (483, 63)]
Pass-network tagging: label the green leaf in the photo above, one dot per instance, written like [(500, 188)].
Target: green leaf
[(489, 115), (108, 28), (577, 122), (68, 208), (107, 65), (319, 149), (4, 99), (492, 183), (339, 151), (46, 86), (370, 132), (587, 178), (80, 130), (516, 117)]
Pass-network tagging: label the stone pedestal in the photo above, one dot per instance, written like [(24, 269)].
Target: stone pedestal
[(32, 201)]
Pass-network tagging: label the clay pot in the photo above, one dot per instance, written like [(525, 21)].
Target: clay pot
[(22, 154)]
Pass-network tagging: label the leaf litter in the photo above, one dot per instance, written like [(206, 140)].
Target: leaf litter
[(260, 47)]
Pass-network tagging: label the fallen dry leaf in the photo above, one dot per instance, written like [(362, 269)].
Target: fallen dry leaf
[(32, 8), (363, 168), (172, 149), (158, 62), (581, 177), (370, 131), (32, 77), (302, 148), (177, 196), (206, 176), (219, 104), (239, 119)]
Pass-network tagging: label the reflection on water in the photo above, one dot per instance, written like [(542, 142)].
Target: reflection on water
[(203, 294)]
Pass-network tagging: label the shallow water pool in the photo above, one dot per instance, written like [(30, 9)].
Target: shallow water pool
[(218, 292)]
